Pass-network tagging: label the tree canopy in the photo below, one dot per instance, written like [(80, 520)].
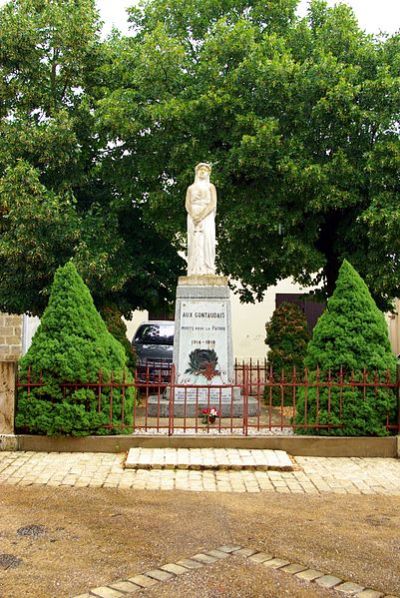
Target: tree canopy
[(56, 199), (299, 117)]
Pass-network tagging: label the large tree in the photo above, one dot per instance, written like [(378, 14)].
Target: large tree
[(298, 116), (56, 198)]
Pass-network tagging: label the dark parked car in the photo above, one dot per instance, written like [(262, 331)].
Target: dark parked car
[(153, 343)]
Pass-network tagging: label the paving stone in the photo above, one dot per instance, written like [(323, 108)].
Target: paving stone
[(348, 587), (260, 557), (83, 596), (189, 564), (229, 548), (276, 563), (125, 586), (309, 574), (368, 593), (104, 592), (159, 574), (284, 461), (273, 460), (174, 568), (204, 558), (219, 459), (328, 581), (355, 476), (246, 552), (143, 581), (293, 568), (218, 553)]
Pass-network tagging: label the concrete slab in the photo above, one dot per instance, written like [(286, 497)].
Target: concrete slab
[(262, 460)]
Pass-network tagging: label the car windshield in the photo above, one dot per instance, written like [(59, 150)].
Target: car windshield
[(155, 334)]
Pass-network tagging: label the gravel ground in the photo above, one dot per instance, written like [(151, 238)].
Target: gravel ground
[(94, 536)]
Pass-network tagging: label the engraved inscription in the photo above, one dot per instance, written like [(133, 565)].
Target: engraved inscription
[(203, 326)]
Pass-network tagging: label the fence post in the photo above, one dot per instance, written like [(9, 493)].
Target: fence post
[(246, 391), (171, 413), (7, 396)]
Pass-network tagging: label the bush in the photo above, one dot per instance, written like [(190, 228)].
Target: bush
[(287, 338), (72, 345), (351, 334), (115, 324)]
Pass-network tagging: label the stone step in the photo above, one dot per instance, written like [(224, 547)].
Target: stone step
[(209, 458), (191, 406)]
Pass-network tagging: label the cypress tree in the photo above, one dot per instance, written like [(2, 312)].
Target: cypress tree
[(351, 336), (287, 338), (72, 345)]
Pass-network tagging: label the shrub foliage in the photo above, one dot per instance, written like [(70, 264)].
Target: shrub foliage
[(351, 334), (72, 345), (287, 338), (115, 324)]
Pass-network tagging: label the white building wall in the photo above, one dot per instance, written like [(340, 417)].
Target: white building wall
[(393, 321), (29, 326)]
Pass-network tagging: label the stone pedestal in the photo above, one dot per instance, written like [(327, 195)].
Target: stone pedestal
[(7, 396), (191, 407), (203, 352)]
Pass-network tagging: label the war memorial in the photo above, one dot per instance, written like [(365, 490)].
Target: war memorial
[(203, 364)]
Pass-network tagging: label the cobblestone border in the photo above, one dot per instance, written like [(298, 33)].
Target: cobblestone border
[(130, 585)]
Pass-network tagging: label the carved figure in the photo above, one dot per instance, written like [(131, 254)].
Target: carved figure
[(201, 206)]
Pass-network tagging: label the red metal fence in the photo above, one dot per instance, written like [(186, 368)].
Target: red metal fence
[(260, 401)]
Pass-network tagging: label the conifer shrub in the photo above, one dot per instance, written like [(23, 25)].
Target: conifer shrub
[(115, 324), (72, 345), (287, 338), (351, 334)]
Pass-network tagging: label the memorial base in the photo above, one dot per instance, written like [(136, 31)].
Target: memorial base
[(191, 405), (203, 352)]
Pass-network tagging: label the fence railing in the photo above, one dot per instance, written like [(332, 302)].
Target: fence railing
[(259, 401)]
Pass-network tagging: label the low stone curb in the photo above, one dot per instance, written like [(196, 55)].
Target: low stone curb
[(210, 458), (8, 442), (128, 586)]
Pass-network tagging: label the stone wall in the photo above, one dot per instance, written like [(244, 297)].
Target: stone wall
[(10, 337), (7, 396)]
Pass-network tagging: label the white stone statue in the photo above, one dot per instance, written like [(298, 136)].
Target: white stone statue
[(201, 206)]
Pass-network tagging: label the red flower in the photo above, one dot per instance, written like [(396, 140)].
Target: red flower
[(212, 411)]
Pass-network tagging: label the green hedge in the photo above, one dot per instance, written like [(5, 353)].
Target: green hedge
[(72, 345)]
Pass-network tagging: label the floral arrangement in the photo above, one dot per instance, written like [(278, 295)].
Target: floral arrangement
[(209, 415), (203, 362)]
